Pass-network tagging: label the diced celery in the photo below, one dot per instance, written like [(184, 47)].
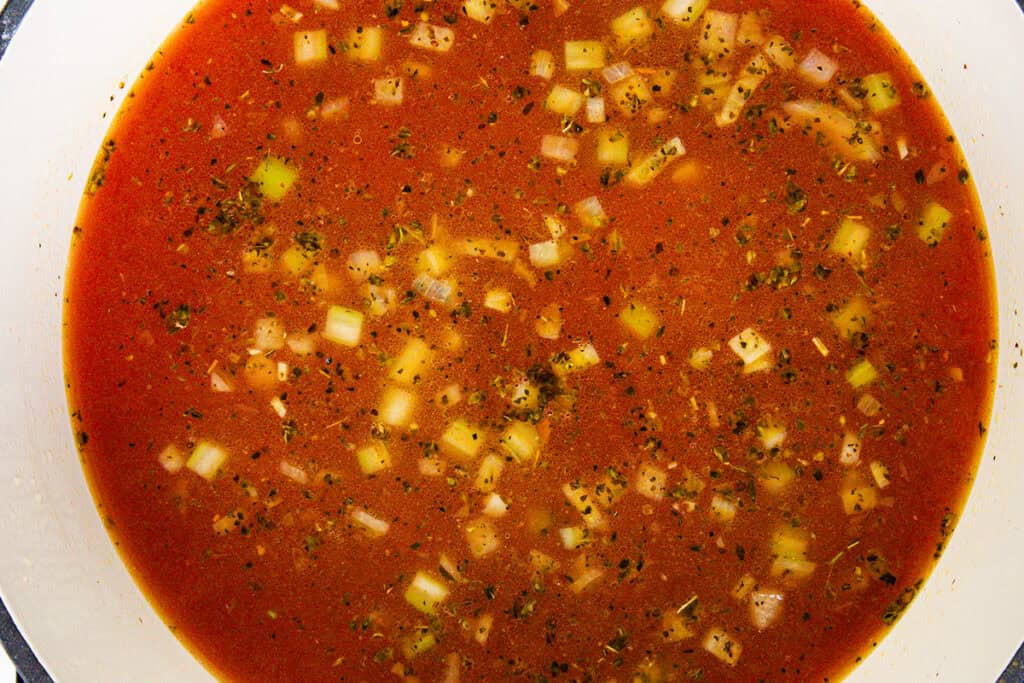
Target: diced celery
[(207, 460), (563, 100), (612, 147), (935, 220), (421, 640), (861, 374), (365, 43), (640, 320), (373, 458), (521, 440), (343, 326), (685, 12), (426, 593), (648, 169), (723, 646), (462, 439), (633, 26), (651, 481), (396, 406), (413, 362), (881, 92), (482, 536), (850, 240), (584, 55), (480, 10), (310, 47), (274, 177)]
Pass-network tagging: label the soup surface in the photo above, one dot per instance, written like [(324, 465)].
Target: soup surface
[(511, 340)]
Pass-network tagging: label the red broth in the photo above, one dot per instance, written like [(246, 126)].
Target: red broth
[(392, 359)]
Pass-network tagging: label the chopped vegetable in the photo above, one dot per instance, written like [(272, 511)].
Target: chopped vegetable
[(817, 68), (935, 220), (207, 460), (373, 458), (274, 177), (310, 47), (648, 169), (584, 55), (426, 593), (880, 92), (343, 326), (462, 439)]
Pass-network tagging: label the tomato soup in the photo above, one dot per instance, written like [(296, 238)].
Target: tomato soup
[(533, 340)]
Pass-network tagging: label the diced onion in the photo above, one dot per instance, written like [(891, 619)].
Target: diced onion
[(426, 593), (685, 12), (373, 458), (836, 127), (591, 213), (412, 363), (495, 505), (293, 472), (432, 288), (363, 264), (817, 68), (310, 47), (301, 344), (278, 406), (595, 110), (651, 482), (483, 628), (431, 37), (482, 536), (207, 460), (220, 383), (718, 33), (559, 147), (343, 326), (545, 254), (171, 459), (617, 72), (542, 64), (388, 91), (462, 439), (584, 55), (750, 346), (268, 334), (396, 406), (765, 608), (374, 527), (648, 169), (880, 473), (499, 300), (849, 452)]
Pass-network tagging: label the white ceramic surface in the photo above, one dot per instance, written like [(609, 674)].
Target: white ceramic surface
[(59, 573)]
